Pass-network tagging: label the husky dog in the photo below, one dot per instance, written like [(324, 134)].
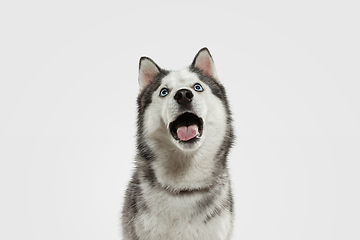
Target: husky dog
[(180, 189)]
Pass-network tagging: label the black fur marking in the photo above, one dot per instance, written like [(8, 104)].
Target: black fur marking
[(219, 91), (134, 185), (144, 98), (225, 147), (136, 199), (207, 200), (216, 87), (216, 211), (231, 201), (143, 101), (131, 207), (146, 171), (227, 205), (209, 197), (145, 154)]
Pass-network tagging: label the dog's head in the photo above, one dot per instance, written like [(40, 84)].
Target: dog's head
[(181, 110)]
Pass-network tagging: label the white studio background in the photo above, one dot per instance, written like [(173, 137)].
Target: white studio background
[(68, 86)]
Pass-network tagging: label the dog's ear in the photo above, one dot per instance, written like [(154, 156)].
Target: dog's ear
[(204, 62), (147, 72)]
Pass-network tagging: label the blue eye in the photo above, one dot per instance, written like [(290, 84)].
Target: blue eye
[(198, 87), (164, 92)]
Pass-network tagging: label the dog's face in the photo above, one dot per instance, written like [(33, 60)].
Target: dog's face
[(181, 100), (184, 110), (184, 122)]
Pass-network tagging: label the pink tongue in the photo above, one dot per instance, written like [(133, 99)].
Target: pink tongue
[(187, 132)]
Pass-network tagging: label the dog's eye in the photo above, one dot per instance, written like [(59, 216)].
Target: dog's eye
[(164, 92), (198, 87)]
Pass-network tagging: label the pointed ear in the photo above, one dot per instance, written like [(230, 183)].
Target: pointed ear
[(147, 72), (204, 62)]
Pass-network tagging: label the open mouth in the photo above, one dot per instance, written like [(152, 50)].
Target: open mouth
[(187, 127)]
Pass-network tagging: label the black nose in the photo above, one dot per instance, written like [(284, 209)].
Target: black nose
[(184, 97)]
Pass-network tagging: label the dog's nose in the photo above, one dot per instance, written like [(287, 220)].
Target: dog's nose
[(184, 97)]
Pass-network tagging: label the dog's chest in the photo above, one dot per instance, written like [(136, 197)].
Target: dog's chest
[(181, 219)]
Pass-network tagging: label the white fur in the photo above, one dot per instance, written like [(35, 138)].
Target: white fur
[(174, 217)]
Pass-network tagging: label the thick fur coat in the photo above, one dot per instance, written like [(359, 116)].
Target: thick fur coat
[(180, 188)]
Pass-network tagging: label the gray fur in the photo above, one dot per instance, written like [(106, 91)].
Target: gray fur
[(208, 206)]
